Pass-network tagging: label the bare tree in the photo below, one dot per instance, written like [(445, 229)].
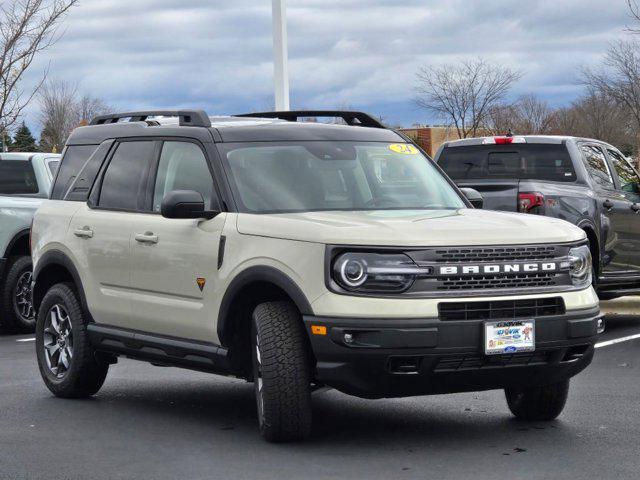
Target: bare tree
[(501, 119), (57, 113), (567, 121), (536, 116), (463, 94), (601, 117), (634, 9), (529, 115), (62, 110), (27, 27), (620, 79), (88, 107)]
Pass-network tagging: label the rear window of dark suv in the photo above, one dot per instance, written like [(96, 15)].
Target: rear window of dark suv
[(515, 161)]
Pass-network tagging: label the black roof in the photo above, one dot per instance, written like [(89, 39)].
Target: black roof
[(264, 127)]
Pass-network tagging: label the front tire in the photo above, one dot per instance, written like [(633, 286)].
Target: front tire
[(538, 403), (17, 313), (281, 372), (66, 360)]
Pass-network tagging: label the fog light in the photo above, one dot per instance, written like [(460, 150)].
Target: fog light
[(348, 338), (601, 325)]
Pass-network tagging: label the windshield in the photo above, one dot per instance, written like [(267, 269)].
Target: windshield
[(514, 161), (318, 176)]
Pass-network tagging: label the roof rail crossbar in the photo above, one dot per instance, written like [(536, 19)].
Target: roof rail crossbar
[(187, 118), (352, 118)]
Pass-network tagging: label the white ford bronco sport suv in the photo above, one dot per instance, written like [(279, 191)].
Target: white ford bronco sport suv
[(299, 255)]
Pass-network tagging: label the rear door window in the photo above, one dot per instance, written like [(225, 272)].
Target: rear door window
[(124, 182), (628, 177), (596, 164), (515, 161), (17, 177)]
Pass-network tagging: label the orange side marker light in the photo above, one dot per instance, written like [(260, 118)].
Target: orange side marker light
[(318, 329)]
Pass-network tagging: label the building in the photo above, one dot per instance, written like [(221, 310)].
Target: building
[(430, 138)]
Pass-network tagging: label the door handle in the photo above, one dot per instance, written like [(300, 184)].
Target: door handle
[(635, 207), (608, 204), (147, 237), (84, 232)]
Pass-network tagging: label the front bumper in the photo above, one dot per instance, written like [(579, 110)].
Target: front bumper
[(404, 357)]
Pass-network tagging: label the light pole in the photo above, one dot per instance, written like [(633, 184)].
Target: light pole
[(280, 67)]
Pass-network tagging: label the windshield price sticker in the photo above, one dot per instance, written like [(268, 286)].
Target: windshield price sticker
[(404, 148)]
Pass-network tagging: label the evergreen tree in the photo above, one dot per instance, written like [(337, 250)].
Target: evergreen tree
[(23, 141)]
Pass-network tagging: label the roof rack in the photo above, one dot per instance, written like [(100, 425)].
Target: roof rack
[(359, 119), (187, 118)]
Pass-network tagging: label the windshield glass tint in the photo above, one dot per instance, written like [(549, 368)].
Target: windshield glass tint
[(517, 161), (316, 176)]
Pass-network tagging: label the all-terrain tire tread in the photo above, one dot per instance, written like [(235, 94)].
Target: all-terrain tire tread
[(285, 371), (8, 320), (87, 374)]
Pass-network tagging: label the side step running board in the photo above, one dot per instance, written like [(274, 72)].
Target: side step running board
[(162, 350)]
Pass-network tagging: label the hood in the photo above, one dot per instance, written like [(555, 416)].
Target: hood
[(411, 227)]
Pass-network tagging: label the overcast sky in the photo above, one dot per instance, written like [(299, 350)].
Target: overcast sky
[(217, 54)]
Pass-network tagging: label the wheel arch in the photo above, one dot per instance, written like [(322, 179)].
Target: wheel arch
[(19, 244), (245, 284), (251, 287), (55, 267), (594, 243)]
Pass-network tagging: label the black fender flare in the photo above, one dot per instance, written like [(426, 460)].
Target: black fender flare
[(588, 223), (57, 258), (16, 238), (258, 274)]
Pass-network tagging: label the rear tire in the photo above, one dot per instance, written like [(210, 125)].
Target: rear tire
[(67, 362), (16, 311), (281, 372), (538, 403)]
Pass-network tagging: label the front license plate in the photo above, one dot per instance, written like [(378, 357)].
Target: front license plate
[(509, 337)]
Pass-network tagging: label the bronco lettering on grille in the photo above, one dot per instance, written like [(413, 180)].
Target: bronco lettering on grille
[(497, 268)]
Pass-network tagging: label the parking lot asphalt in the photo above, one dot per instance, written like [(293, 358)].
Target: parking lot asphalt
[(164, 423)]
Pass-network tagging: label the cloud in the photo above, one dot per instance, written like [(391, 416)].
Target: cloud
[(364, 53)]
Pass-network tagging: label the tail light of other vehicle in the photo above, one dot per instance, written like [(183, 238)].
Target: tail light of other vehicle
[(503, 140), (528, 201)]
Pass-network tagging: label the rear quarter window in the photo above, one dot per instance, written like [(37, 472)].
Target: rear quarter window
[(515, 161), (17, 178), (74, 158)]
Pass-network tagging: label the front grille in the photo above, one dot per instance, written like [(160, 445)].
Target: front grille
[(501, 310), (495, 254), (480, 282), (476, 362)]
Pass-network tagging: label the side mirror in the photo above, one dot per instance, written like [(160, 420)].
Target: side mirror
[(474, 197), (185, 204)]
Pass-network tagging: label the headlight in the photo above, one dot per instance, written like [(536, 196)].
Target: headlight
[(375, 272), (580, 265)]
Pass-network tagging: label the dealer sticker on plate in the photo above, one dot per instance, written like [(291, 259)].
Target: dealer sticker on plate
[(509, 337)]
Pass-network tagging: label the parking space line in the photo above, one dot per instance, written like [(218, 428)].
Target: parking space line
[(26, 340), (617, 340)]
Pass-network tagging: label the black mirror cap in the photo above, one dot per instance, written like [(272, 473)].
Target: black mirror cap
[(185, 204), (474, 196)]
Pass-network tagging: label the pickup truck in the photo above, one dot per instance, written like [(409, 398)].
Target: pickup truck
[(25, 182), (583, 181)]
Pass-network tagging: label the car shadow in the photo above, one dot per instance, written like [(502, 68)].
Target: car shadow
[(196, 411)]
